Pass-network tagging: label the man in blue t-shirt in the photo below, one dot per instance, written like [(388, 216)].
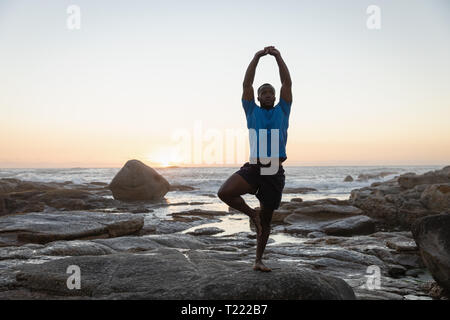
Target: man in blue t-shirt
[(267, 126)]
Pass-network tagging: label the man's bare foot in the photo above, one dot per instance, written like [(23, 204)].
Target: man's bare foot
[(256, 219), (259, 266)]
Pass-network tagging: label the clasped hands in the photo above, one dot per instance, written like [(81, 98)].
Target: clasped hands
[(268, 50)]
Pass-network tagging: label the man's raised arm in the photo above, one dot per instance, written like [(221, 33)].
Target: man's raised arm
[(248, 93), (286, 83)]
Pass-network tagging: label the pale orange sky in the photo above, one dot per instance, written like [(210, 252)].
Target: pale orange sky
[(132, 76)]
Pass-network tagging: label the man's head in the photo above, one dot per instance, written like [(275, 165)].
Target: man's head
[(266, 96)]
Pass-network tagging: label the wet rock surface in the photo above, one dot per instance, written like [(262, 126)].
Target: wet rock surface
[(405, 198), (328, 218), (141, 266), (191, 274), (46, 227), (432, 235), (350, 226), (18, 196), (321, 249), (206, 231)]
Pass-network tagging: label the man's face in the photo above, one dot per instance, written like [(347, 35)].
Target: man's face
[(266, 97)]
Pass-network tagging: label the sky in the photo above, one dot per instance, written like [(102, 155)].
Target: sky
[(161, 81)]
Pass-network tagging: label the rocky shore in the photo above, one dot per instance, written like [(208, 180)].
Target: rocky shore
[(389, 240)]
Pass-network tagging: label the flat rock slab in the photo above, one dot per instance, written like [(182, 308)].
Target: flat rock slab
[(170, 274), (156, 225), (97, 247), (356, 225), (46, 227), (298, 190), (200, 212), (402, 245), (329, 210), (206, 231), (329, 224)]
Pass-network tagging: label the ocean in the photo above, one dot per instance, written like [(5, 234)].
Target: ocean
[(328, 180)]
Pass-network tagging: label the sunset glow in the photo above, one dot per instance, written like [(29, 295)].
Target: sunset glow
[(120, 86)]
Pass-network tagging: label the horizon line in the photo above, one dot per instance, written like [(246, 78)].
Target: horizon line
[(231, 166)]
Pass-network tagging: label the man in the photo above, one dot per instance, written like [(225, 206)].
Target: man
[(250, 178)]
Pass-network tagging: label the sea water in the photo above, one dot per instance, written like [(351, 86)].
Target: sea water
[(328, 180)]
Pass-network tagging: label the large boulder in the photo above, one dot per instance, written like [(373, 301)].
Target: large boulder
[(436, 196), (165, 273), (137, 181), (433, 239), (410, 180), (403, 200)]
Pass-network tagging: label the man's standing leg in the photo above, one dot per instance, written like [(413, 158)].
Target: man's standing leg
[(266, 218), (270, 194)]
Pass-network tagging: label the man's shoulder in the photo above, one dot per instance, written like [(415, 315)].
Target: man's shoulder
[(284, 106), (249, 106), (252, 101), (284, 102)]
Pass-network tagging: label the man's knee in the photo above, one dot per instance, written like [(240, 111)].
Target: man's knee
[(223, 194)]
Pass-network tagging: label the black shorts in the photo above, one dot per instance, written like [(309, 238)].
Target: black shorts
[(269, 188)]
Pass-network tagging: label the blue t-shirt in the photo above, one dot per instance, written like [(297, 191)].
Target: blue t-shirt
[(274, 118)]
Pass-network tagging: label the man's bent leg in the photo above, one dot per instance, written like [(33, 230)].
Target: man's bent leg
[(230, 193), (232, 189)]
